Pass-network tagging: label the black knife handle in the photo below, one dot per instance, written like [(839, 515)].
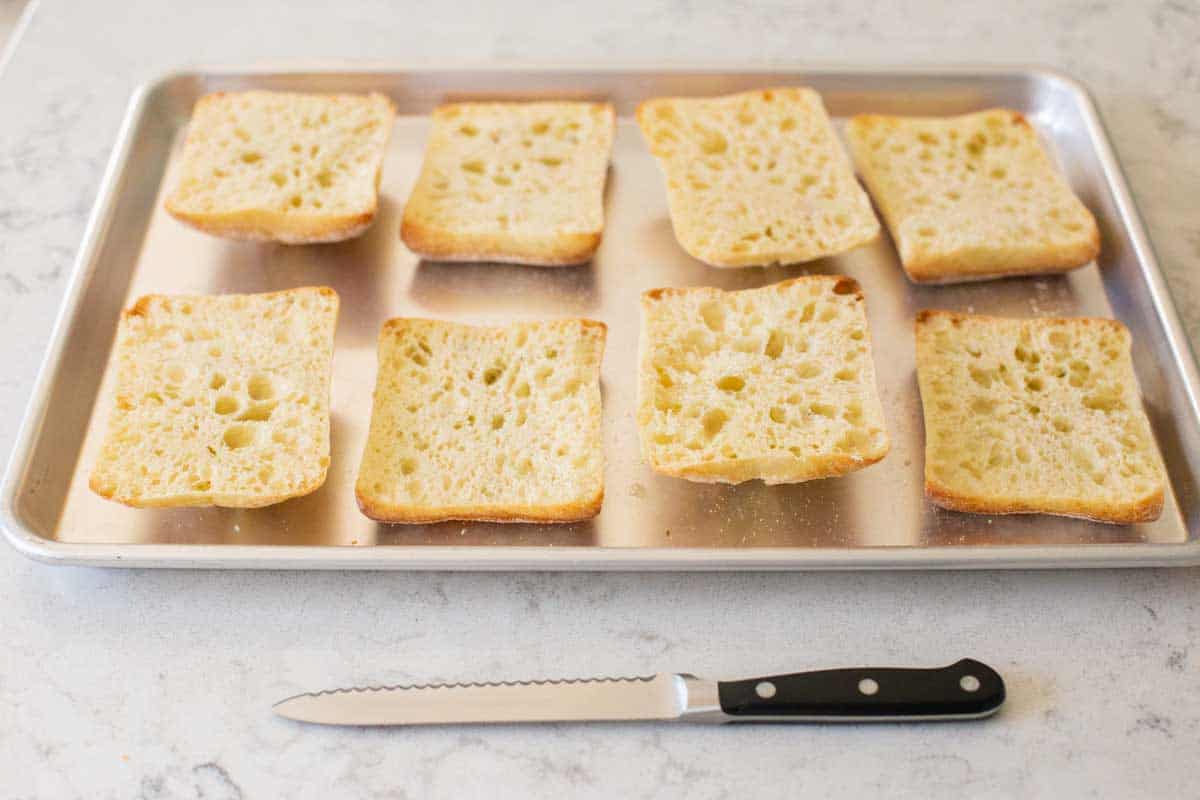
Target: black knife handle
[(965, 690)]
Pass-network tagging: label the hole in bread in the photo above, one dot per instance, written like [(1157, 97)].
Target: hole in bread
[(278, 178), (926, 231), (713, 315), (1080, 372), (524, 467), (467, 129), (807, 369), (778, 414), (853, 414), (238, 436), (551, 161), (787, 124), (823, 410), (325, 179), (1033, 384), (521, 389), (225, 405), (713, 421), (251, 158), (774, 347), (828, 314), (296, 201), (474, 166), (731, 383), (260, 388), (846, 374), (407, 466), (497, 422), (712, 142), (176, 374), (492, 374), (257, 413), (201, 486), (1062, 425), (1104, 400), (981, 376)]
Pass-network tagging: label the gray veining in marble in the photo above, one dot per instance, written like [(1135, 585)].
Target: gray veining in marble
[(157, 684)]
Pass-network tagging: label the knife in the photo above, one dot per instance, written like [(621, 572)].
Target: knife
[(962, 691)]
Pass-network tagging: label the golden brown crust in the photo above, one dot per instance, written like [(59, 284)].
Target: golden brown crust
[(770, 471), (956, 318), (554, 250), (409, 515), (274, 226), (1146, 509)]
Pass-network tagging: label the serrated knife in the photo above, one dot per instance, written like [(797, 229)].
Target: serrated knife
[(962, 691)]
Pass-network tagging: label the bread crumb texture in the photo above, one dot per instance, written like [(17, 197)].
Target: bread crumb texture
[(515, 182), (499, 424), (774, 383), (757, 178), (1035, 415), (282, 166), (971, 197), (220, 400)]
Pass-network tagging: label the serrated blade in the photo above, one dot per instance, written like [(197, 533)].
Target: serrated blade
[(652, 697)]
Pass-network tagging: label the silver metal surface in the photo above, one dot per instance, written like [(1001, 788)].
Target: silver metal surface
[(876, 518), (653, 697)]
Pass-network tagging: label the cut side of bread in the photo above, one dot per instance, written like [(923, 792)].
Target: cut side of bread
[(496, 424), (220, 400), (774, 383), (1035, 415), (512, 182), (971, 197), (757, 178), (283, 167)]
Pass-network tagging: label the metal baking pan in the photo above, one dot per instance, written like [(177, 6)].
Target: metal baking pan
[(876, 518)]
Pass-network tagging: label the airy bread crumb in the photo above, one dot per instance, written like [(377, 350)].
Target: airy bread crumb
[(774, 383), (220, 400), (757, 178), (282, 166), (512, 182), (971, 197), (497, 424), (1035, 415)]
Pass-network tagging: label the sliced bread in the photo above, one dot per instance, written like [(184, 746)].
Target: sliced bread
[(757, 178), (220, 400), (971, 197), (1035, 415), (281, 166), (497, 424), (774, 383), (513, 182)]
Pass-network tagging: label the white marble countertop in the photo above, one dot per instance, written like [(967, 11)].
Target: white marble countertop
[(158, 684)]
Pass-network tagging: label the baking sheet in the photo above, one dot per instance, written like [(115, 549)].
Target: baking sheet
[(874, 518)]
